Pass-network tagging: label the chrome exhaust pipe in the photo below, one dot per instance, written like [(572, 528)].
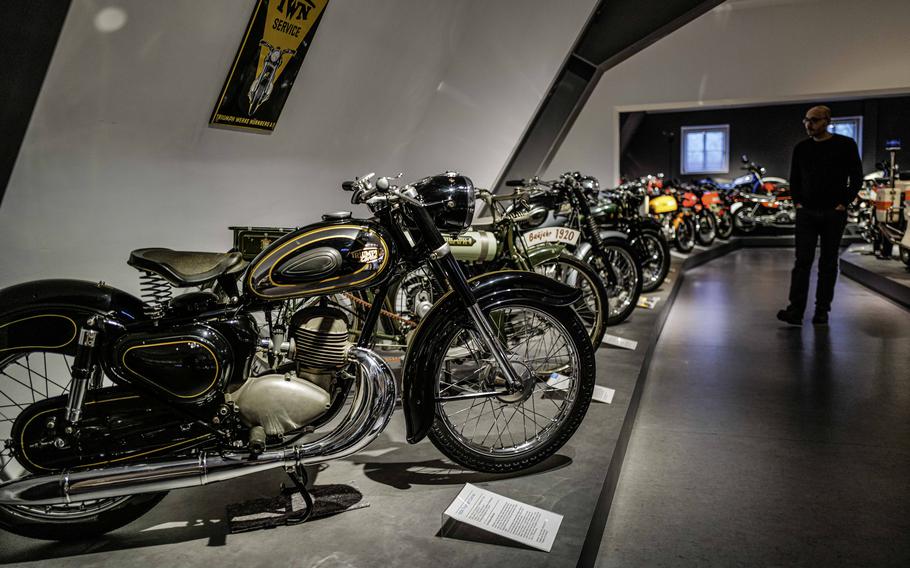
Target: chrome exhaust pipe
[(371, 409)]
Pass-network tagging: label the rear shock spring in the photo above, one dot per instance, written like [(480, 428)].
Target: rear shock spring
[(156, 293)]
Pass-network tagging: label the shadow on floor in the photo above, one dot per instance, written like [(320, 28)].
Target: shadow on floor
[(437, 471)]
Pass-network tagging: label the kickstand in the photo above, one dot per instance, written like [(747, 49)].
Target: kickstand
[(299, 476)]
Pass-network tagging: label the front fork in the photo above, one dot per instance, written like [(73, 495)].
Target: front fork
[(447, 265)]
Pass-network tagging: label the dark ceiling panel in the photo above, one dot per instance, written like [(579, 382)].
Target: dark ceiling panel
[(617, 30), (28, 34)]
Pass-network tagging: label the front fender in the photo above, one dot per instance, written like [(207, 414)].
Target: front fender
[(47, 314), (538, 254), (422, 360)]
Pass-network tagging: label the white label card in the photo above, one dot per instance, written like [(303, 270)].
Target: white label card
[(603, 394), (648, 302), (505, 517), (551, 235), (622, 342)]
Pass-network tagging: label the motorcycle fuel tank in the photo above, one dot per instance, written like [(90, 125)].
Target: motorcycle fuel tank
[(474, 246), (663, 204), (322, 258)]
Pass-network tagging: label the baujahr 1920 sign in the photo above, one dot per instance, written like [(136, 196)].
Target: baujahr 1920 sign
[(277, 39)]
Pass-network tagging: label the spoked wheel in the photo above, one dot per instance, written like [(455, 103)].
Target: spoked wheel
[(655, 260), (706, 230), (594, 302), (27, 378), (724, 224), (482, 426), (623, 279), (684, 238)]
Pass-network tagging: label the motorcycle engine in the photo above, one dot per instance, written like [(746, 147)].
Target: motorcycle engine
[(282, 403)]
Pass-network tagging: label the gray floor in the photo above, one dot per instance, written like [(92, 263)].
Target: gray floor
[(762, 444)]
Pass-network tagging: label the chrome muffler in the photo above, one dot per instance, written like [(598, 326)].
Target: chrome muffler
[(371, 409)]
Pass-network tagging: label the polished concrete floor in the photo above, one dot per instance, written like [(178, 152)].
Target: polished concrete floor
[(761, 444)]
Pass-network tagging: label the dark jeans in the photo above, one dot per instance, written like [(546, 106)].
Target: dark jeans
[(812, 225)]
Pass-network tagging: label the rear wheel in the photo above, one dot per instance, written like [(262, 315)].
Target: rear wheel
[(481, 427), (30, 377)]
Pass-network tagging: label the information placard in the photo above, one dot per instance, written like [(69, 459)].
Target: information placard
[(505, 517), (620, 342)]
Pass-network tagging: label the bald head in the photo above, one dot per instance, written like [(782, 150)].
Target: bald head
[(816, 122), (820, 111)]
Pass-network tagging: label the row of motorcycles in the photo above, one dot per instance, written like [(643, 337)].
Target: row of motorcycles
[(881, 211), (276, 354), (698, 212)]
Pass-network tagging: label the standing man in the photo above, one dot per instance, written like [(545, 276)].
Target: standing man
[(825, 175)]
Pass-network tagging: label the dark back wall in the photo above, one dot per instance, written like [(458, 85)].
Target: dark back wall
[(767, 134)]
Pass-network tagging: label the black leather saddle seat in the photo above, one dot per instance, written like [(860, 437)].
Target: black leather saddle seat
[(182, 268)]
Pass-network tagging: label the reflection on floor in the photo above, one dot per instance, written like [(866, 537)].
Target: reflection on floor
[(762, 444)]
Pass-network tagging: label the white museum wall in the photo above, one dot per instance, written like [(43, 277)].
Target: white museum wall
[(118, 154), (746, 52)]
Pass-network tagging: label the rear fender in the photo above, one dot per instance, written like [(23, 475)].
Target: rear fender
[(421, 364), (47, 314)]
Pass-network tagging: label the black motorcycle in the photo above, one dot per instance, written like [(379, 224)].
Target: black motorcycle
[(110, 401), (564, 202), (621, 209)]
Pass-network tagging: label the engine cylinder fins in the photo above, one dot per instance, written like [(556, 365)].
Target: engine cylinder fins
[(321, 343)]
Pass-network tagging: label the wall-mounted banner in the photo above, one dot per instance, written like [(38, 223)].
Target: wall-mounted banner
[(277, 39)]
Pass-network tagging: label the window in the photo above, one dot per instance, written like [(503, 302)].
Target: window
[(849, 126), (706, 149)]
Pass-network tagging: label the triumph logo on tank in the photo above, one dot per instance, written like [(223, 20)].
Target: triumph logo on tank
[(274, 45), (367, 255)]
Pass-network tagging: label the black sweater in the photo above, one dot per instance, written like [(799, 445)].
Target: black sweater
[(825, 174)]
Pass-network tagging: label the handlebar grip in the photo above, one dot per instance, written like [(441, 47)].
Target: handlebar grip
[(515, 183), (347, 185)]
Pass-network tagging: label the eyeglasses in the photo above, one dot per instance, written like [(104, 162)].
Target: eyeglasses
[(813, 119)]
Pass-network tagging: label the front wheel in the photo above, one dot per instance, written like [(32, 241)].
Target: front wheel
[(684, 234), (706, 228), (743, 221), (724, 224), (478, 424), (655, 259), (623, 276), (905, 256), (594, 303)]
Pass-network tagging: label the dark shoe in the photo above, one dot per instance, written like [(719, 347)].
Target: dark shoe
[(792, 318), (820, 318)]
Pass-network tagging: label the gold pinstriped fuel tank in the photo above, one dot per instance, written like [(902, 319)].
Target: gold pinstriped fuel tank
[(322, 258)]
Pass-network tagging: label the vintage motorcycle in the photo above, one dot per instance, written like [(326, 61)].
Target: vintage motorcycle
[(563, 203), (758, 200), (500, 244), (624, 209), (677, 223), (111, 401)]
